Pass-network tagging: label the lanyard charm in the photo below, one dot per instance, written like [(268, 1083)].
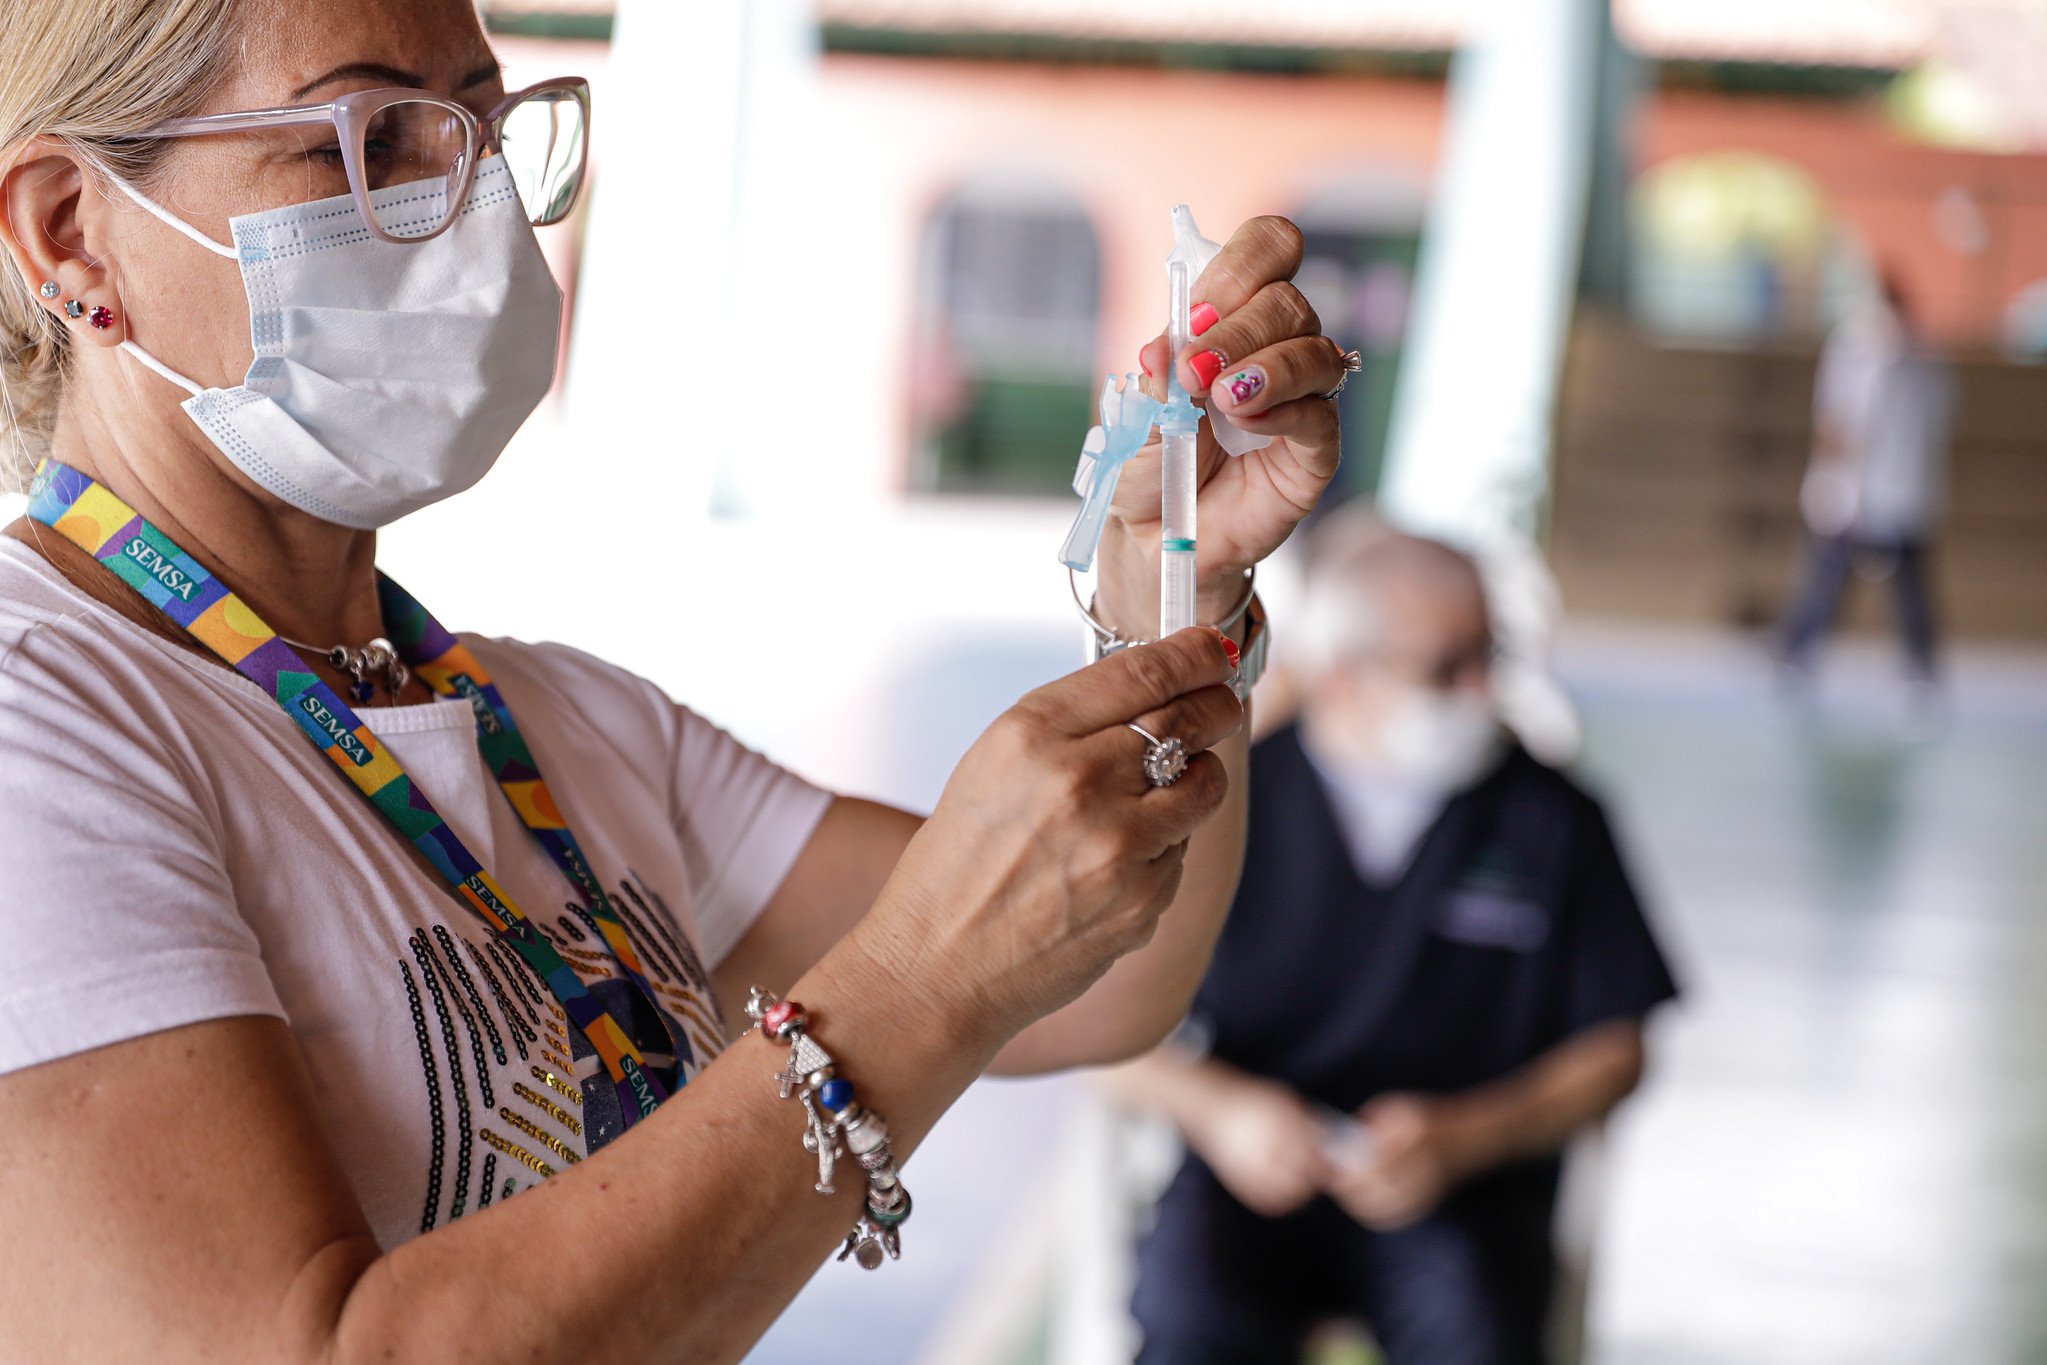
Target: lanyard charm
[(378, 656)]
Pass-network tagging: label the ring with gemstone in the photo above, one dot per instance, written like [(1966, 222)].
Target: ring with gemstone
[(1164, 759), (1352, 362)]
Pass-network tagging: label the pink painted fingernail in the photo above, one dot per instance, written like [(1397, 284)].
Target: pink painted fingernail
[(1244, 385), (1207, 365), (1203, 317)]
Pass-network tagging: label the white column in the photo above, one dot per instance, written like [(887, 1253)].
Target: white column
[(650, 352), (1468, 454)]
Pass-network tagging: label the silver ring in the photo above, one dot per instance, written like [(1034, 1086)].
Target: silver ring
[(1352, 363), (1164, 759)]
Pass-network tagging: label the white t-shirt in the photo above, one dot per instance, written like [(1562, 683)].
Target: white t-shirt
[(172, 850), (1383, 818), (1893, 404)]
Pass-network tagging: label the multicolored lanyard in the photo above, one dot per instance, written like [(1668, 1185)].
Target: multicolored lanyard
[(89, 515)]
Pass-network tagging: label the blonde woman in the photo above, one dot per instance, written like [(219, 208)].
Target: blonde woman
[(376, 993)]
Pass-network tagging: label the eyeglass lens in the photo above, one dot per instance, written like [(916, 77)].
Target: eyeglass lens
[(409, 142), (542, 138)]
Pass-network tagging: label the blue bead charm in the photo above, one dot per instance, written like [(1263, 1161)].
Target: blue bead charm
[(361, 691), (835, 1094)]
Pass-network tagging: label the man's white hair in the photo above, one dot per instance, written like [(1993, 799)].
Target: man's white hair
[(1352, 554)]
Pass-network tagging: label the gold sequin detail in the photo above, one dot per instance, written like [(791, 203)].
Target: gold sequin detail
[(548, 1078), (688, 1010), (515, 1151), (563, 1062), (539, 1135), (548, 1107), (596, 962), (705, 1046)]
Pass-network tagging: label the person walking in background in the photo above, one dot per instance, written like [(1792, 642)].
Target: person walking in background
[(1882, 406), (1435, 973)]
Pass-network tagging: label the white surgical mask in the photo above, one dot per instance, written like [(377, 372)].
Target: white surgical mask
[(387, 376), (1441, 740)]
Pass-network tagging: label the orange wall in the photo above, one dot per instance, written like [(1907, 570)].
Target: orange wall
[(1886, 189), (1130, 142)]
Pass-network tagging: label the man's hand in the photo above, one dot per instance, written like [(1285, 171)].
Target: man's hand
[(1263, 1143), (1421, 1150), (1424, 1146)]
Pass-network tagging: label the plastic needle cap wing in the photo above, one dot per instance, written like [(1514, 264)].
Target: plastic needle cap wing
[(1128, 415)]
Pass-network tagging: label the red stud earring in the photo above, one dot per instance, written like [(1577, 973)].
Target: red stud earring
[(101, 317)]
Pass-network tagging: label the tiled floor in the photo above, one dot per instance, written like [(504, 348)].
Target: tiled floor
[(1843, 1153)]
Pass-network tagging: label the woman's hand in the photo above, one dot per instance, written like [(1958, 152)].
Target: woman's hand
[(1261, 358), (1049, 855)]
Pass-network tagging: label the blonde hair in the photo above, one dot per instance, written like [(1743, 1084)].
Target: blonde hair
[(95, 73)]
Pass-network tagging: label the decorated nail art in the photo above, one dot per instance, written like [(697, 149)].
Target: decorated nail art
[(1244, 385), (1207, 365)]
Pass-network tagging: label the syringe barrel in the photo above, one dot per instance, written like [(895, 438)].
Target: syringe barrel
[(1178, 474), (1176, 529)]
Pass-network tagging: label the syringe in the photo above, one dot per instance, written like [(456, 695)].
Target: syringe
[(1179, 426)]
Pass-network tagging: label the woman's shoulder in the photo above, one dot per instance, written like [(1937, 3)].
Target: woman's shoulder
[(562, 674), (586, 702), (49, 629), (32, 595), (49, 625)]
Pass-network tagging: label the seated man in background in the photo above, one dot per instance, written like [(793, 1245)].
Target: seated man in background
[(1434, 974)]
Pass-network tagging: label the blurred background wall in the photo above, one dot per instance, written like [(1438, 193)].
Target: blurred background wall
[(973, 190)]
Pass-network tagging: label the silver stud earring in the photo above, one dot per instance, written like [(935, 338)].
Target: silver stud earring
[(50, 289), (73, 308)]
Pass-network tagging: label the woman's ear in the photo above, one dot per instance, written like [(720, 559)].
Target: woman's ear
[(46, 197)]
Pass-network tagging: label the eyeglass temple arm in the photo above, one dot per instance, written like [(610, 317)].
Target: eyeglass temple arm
[(243, 119)]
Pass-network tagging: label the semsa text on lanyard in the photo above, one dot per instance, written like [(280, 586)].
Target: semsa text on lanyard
[(85, 512)]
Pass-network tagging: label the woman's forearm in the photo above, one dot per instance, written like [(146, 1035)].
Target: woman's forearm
[(1144, 995), (684, 1238)]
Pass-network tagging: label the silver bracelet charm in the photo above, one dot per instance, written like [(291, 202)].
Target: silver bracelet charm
[(836, 1125)]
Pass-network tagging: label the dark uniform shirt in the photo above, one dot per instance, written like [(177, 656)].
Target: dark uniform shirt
[(1513, 928)]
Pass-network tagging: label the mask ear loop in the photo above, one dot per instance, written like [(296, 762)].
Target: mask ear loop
[(170, 220), (151, 362)]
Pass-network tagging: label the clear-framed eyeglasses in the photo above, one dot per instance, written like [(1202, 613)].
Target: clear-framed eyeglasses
[(379, 139)]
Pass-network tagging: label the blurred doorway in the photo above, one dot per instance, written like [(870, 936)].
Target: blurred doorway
[(1003, 354)]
